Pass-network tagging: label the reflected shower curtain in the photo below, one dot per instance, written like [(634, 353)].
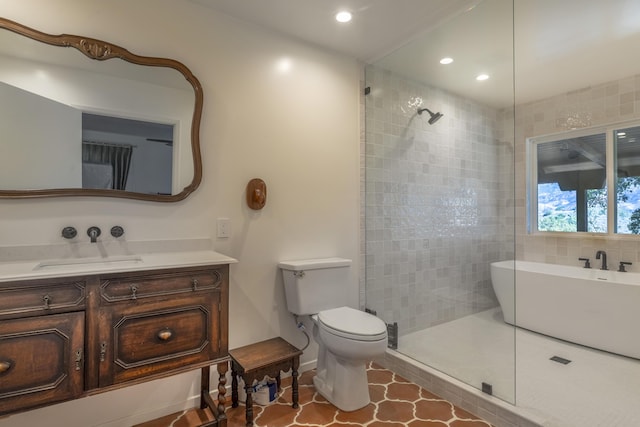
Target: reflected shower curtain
[(117, 156)]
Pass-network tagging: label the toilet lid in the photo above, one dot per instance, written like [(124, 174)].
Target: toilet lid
[(351, 323)]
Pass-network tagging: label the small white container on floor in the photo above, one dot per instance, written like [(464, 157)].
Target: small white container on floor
[(263, 392)]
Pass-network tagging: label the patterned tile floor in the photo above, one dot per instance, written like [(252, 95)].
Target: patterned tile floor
[(395, 402)]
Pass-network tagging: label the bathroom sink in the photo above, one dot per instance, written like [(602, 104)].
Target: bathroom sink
[(71, 263)]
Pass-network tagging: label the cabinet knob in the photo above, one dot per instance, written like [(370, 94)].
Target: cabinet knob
[(5, 365), (165, 334), (194, 284), (47, 302), (134, 292)]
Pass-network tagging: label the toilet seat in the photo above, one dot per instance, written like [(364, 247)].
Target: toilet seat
[(353, 324)]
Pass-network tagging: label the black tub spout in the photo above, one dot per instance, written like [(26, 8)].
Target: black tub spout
[(602, 254)]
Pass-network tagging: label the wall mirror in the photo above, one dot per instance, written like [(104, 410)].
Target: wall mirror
[(84, 117)]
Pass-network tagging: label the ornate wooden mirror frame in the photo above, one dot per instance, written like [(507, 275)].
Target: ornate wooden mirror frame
[(100, 50)]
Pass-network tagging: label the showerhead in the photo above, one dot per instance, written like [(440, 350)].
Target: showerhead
[(434, 116)]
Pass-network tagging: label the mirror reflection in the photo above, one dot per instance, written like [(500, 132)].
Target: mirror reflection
[(119, 126), (125, 154)]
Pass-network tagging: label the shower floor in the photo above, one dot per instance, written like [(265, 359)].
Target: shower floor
[(595, 389)]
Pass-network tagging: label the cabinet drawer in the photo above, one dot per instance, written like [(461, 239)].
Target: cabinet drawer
[(41, 360), (38, 298), (151, 338), (140, 287)]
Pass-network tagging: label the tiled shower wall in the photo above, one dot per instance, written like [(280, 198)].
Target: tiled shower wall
[(438, 202), (603, 104)]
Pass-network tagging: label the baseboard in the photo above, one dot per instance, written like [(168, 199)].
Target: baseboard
[(307, 366)]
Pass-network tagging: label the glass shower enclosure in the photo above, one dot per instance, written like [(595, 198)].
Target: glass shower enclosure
[(439, 194)]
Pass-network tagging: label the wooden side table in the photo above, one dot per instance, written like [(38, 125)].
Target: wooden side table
[(254, 361)]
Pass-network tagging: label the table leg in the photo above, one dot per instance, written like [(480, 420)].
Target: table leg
[(249, 404), (234, 385), (294, 382)]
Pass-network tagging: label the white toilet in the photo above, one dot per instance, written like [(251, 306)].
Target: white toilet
[(347, 338)]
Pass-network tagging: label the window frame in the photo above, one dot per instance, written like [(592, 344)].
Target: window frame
[(531, 159)]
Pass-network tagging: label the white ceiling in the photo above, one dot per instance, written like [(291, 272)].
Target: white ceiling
[(377, 28), (560, 45)]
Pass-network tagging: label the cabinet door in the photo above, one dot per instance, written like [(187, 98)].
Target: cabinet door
[(140, 339), (41, 360)]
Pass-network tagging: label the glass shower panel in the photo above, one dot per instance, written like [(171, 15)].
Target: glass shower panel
[(439, 195)]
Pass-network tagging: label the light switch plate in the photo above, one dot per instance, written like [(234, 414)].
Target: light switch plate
[(224, 228)]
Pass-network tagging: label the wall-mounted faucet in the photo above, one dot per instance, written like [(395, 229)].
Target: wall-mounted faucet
[(93, 233), (602, 254)]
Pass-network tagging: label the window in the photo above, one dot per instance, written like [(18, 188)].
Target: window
[(571, 176)]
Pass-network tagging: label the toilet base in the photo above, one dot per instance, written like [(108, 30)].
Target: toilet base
[(344, 384)]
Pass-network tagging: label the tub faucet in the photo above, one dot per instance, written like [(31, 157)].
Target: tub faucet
[(604, 259)]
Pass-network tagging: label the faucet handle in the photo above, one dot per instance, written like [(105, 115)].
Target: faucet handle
[(622, 264), (117, 231), (69, 232), (587, 264)]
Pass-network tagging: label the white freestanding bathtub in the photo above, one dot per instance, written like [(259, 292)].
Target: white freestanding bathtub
[(591, 307)]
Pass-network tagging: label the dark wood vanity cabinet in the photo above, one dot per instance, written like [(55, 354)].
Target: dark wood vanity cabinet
[(65, 338)]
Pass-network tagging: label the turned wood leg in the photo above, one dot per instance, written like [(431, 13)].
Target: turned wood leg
[(249, 404), (294, 381), (222, 391), (278, 382), (234, 385)]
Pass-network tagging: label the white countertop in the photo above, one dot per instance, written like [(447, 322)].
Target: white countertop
[(69, 267)]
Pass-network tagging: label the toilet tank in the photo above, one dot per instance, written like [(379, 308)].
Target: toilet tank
[(313, 285)]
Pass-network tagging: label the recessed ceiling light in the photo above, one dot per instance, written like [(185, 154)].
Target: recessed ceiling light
[(482, 77), (446, 61), (343, 16)]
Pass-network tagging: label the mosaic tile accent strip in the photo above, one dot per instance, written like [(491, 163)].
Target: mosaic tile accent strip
[(395, 402)]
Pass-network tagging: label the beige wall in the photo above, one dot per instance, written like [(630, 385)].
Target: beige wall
[(297, 129)]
